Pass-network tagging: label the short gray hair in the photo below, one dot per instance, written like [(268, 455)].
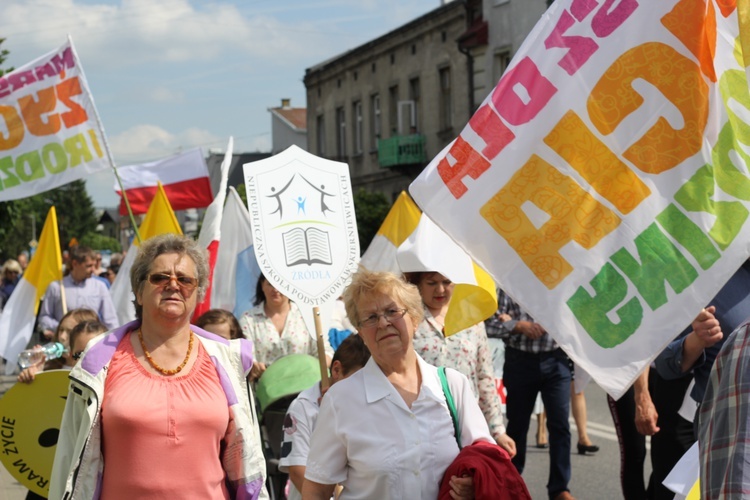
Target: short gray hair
[(167, 243), (366, 284)]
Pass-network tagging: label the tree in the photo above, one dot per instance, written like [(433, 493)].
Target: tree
[(371, 209), (98, 241), (22, 220)]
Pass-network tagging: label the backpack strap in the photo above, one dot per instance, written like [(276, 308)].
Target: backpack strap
[(451, 404)]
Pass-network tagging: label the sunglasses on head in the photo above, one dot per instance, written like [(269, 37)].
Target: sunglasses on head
[(162, 279)]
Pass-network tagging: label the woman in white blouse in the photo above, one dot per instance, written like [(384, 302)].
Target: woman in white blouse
[(466, 351), (386, 431), (276, 327)]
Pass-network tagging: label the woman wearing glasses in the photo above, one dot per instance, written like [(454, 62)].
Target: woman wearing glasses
[(386, 431), (157, 408), (276, 328), (467, 351)]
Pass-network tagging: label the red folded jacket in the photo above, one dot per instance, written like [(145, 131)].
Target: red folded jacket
[(495, 476)]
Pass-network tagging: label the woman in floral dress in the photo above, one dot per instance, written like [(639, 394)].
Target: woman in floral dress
[(276, 327), (466, 351)]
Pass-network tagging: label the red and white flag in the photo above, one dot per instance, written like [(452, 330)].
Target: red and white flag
[(211, 229), (184, 177)]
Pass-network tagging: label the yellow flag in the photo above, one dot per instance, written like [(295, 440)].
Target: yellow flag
[(46, 265), (401, 221), (17, 318), (160, 218), (471, 302)]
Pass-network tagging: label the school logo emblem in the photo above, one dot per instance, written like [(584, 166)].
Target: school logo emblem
[(304, 227)]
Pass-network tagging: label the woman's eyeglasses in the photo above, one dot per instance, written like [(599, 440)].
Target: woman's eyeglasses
[(162, 279), (390, 315)]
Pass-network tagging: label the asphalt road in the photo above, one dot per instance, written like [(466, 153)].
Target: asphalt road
[(594, 477)]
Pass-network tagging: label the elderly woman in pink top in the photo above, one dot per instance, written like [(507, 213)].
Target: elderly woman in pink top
[(158, 408)]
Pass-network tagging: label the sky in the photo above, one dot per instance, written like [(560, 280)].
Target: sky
[(170, 75)]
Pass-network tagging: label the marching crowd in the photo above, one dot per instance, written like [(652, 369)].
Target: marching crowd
[(160, 407)]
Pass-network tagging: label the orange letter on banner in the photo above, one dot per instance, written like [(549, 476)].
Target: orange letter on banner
[(679, 80), (695, 27), (574, 215), (601, 168), (15, 128), (468, 162), (65, 90), (39, 115)]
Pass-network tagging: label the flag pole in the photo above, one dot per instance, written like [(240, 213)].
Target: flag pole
[(107, 150)]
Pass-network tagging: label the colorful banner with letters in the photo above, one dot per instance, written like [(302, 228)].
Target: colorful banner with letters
[(49, 130), (604, 182)]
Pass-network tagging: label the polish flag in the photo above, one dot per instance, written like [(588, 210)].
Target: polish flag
[(184, 177), (211, 229)]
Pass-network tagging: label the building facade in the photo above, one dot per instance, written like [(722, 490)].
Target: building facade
[(387, 107)]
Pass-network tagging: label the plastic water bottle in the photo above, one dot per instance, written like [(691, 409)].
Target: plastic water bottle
[(39, 354)]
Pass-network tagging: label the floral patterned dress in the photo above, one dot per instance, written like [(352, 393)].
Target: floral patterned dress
[(269, 345), (469, 353)]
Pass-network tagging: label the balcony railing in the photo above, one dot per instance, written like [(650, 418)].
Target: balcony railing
[(401, 150)]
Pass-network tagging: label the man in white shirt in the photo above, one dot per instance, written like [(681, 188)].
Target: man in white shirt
[(302, 414)]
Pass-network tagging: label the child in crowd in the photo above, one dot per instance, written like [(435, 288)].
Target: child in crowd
[(62, 335), (300, 419), (220, 322)]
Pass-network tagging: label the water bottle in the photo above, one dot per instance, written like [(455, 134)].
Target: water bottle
[(39, 354)]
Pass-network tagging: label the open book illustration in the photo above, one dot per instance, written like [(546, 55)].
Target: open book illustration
[(307, 246)]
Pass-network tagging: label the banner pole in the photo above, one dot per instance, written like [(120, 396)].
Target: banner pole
[(106, 148), (324, 382)]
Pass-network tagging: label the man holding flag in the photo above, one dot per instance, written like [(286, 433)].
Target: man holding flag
[(78, 289)]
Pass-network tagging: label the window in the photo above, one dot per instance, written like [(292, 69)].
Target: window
[(446, 117), (321, 135), (358, 127), (393, 108), (414, 97), (341, 132), (499, 65), (375, 113)]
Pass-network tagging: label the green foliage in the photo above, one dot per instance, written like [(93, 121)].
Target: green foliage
[(3, 56), (100, 242), (242, 191), (371, 209), (22, 220)]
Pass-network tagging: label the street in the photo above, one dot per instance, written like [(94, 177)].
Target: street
[(594, 477)]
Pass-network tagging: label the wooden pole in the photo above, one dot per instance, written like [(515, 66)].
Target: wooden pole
[(62, 298), (324, 382)]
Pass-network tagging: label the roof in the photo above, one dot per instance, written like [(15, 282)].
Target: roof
[(296, 118), (406, 28)]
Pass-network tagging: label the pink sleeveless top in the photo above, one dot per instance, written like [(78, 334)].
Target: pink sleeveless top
[(162, 436)]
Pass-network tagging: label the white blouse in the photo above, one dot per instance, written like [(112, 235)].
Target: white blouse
[(367, 438)]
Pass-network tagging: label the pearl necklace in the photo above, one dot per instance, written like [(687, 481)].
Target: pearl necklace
[(158, 368)]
